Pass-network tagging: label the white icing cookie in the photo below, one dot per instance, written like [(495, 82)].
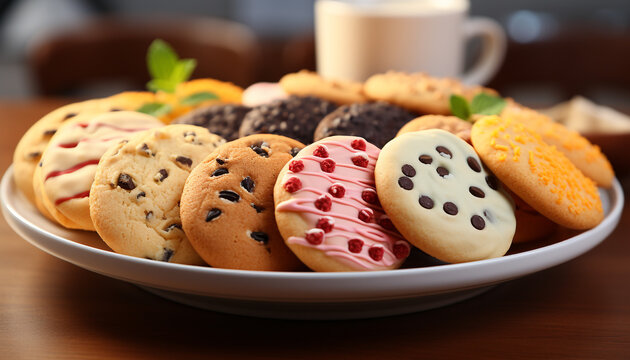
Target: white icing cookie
[(442, 199)]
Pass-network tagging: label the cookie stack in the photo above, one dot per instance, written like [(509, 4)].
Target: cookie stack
[(310, 173)]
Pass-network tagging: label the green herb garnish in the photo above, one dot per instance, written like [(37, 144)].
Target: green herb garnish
[(166, 68), (484, 104), (155, 109), (199, 97)]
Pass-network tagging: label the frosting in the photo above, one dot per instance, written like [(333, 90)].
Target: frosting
[(69, 163), (341, 206)]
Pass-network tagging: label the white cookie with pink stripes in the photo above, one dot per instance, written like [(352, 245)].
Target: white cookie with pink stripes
[(328, 211), (65, 173)]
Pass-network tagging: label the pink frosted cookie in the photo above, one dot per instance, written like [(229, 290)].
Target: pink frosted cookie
[(328, 212), (67, 167), (263, 93)]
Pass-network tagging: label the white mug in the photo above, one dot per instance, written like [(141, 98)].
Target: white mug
[(356, 39)]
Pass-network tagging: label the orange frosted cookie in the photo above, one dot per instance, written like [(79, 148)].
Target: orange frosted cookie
[(586, 156), (537, 172)]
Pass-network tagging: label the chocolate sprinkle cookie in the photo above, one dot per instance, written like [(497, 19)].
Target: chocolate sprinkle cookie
[(376, 122), (223, 120), (295, 117)]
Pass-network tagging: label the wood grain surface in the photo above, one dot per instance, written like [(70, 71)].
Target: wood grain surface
[(50, 309)]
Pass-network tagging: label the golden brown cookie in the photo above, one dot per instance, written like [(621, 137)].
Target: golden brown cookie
[(134, 199), (418, 92), (584, 155), (452, 124), (30, 148), (308, 83), (328, 211), (227, 207), (442, 199), (67, 166), (537, 172)]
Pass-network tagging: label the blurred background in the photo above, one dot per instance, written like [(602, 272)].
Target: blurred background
[(84, 48)]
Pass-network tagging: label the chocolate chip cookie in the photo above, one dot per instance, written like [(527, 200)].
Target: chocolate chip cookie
[(227, 207), (295, 117), (134, 200), (376, 122)]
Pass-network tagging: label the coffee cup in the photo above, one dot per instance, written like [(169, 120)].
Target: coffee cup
[(356, 39)]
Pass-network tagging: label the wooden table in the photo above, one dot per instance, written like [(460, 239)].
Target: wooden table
[(50, 309)]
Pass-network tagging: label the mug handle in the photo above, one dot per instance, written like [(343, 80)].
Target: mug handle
[(492, 52)]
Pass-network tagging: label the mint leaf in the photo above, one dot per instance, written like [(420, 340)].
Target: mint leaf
[(161, 59), (199, 97), (459, 107), (155, 109), (165, 67), (487, 104)]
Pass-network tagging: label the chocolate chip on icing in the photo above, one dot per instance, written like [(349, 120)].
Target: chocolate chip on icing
[(443, 151), (258, 209), (405, 183), (442, 171), (184, 160), (213, 214), (141, 194), (474, 164), (492, 182), (229, 195), (488, 214), (294, 151), (168, 253), (426, 202), (219, 172), (477, 222), (220, 161), (408, 170), (450, 208), (260, 236), (248, 184), (126, 182), (477, 192), (161, 175), (425, 159)]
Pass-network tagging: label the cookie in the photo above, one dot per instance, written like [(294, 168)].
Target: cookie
[(308, 83), (295, 117), (530, 224), (263, 93), (442, 199), (537, 172), (418, 92), (376, 122), (584, 155), (227, 205), (134, 199), (452, 124), (221, 119), (328, 211), (67, 166), (30, 148)]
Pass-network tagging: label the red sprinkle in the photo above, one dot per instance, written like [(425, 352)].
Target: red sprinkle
[(386, 223), (401, 250), (315, 236), (360, 160), (327, 165), (293, 184), (323, 203), (369, 196), (337, 190), (326, 223), (321, 151), (296, 166), (366, 215), (355, 245), (376, 253), (358, 144)]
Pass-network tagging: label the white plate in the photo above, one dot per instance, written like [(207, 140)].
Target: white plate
[(299, 295)]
